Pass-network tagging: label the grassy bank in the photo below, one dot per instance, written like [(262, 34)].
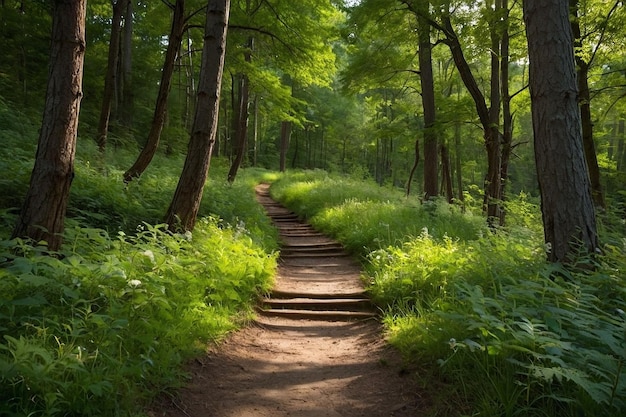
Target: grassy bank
[(106, 324), (493, 329)]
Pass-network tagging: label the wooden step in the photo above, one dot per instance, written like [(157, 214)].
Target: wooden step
[(319, 315), (307, 255), (319, 296), (319, 304)]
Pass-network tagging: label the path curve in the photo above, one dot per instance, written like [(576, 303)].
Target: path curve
[(283, 365)]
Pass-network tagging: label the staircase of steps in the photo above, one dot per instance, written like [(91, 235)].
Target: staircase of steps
[(317, 279)]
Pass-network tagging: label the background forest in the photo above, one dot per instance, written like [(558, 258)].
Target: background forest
[(340, 90)]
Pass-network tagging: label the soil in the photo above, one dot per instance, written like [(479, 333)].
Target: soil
[(288, 364)]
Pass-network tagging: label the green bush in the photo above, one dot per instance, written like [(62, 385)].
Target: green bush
[(102, 326), (507, 333)]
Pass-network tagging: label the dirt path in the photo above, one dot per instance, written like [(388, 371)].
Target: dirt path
[(312, 353)]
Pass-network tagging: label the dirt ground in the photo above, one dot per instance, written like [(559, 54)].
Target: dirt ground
[(298, 367), (281, 367)]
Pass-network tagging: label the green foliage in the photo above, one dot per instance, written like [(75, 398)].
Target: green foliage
[(508, 334), (104, 325), (365, 216), (114, 317)]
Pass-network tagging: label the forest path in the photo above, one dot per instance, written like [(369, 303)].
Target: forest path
[(314, 350)]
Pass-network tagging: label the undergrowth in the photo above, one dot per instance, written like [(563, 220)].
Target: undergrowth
[(106, 324), (504, 332)]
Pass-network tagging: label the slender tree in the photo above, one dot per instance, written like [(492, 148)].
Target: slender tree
[(160, 110), (183, 210), (242, 115), (43, 214), (126, 99), (119, 7), (431, 145), (566, 203)]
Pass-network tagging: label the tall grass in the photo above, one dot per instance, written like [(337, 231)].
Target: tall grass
[(106, 324), (504, 332)]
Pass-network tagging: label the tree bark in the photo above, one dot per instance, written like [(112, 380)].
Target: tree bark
[(431, 166), (126, 84), (119, 7), (446, 173), (183, 211), (487, 117), (160, 111), (242, 117), (416, 160), (43, 214), (285, 133), (584, 101), (566, 204), (507, 117)]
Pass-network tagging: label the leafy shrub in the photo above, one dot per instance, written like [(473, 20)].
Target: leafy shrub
[(100, 328), (510, 334)]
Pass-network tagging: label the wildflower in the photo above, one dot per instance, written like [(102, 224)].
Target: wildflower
[(548, 247), (149, 254), (452, 343), (134, 283)]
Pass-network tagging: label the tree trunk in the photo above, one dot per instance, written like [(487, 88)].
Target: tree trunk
[(119, 7), (43, 214), (621, 147), (160, 110), (183, 211), (446, 173), (507, 117), (582, 73), (285, 133), (126, 84), (487, 118), (255, 132), (416, 160), (431, 166), (242, 117), (566, 204), (457, 161)]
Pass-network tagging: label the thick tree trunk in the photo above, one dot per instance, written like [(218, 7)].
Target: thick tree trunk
[(183, 210), (119, 7), (43, 214), (566, 204), (160, 110)]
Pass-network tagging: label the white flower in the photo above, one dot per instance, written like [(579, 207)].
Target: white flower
[(548, 247), (452, 343), (134, 283), (149, 254)]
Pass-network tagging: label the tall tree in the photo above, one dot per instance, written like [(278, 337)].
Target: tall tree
[(119, 7), (566, 204), (183, 210), (160, 110), (431, 167), (43, 214), (584, 61), (126, 99), (242, 114)]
